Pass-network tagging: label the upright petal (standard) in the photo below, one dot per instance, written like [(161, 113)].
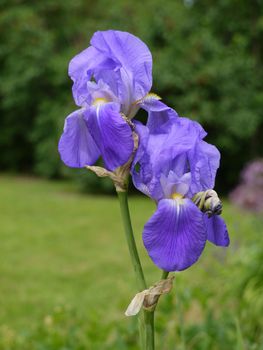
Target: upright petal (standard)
[(134, 62)]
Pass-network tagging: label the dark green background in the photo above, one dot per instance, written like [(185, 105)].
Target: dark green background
[(206, 64)]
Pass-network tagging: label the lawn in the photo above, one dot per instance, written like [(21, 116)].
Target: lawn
[(66, 276)]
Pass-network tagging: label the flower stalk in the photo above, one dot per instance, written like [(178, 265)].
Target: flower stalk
[(125, 214), (149, 329), (146, 324)]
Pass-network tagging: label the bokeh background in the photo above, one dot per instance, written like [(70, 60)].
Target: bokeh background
[(65, 274)]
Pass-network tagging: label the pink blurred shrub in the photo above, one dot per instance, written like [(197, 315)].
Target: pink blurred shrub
[(249, 193)]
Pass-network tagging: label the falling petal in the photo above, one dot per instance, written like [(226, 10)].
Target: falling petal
[(76, 146), (217, 231), (175, 235), (112, 134)]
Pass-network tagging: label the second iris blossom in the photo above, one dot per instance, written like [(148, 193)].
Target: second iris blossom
[(173, 164)]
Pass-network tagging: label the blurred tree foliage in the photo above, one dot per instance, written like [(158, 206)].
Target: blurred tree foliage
[(207, 65)]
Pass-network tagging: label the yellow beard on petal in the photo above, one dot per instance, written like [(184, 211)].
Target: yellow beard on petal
[(150, 96), (99, 101), (176, 196)]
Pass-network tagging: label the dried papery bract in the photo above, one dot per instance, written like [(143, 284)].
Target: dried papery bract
[(149, 298)]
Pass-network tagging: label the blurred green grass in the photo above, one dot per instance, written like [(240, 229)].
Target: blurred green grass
[(66, 277)]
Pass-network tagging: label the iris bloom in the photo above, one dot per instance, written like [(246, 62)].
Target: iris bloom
[(112, 78), (172, 164)]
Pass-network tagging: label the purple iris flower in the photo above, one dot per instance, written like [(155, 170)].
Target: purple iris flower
[(111, 79), (172, 164)]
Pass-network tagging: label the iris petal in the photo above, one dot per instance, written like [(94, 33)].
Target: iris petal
[(165, 147), (134, 58), (81, 69), (217, 231), (76, 146), (175, 235), (204, 161), (160, 116), (111, 132), (141, 166)]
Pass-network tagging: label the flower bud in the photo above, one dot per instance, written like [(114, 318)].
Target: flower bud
[(208, 202)]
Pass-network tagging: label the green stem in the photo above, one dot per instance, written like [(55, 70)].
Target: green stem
[(164, 275), (146, 323), (149, 329), (179, 311), (125, 213)]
